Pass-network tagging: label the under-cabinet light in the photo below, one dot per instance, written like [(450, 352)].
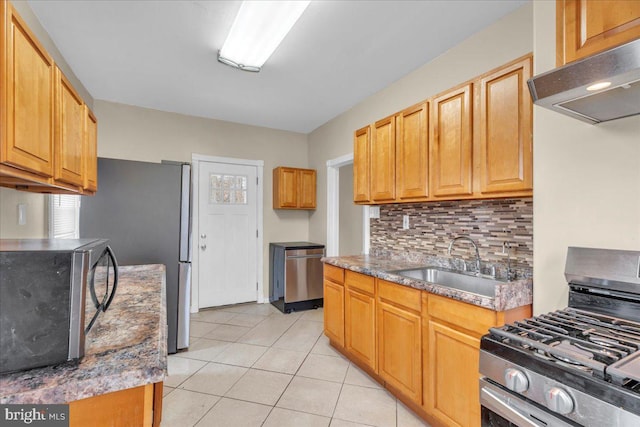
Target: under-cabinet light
[(258, 29), (598, 86)]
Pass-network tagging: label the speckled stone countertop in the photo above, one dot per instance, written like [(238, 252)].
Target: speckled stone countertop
[(508, 295), (126, 348)]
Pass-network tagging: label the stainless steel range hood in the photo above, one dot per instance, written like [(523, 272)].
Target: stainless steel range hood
[(568, 89)]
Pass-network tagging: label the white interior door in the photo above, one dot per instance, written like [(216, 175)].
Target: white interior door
[(227, 244)]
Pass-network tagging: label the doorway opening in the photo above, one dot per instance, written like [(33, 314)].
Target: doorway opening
[(347, 223)]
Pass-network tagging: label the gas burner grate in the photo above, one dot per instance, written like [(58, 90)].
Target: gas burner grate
[(577, 339)]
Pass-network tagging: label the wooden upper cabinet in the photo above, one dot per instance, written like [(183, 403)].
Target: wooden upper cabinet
[(27, 97), (307, 182), (294, 188), (451, 143), (586, 27), (69, 140), (412, 153), (383, 163), (91, 151), (285, 188), (361, 149), (44, 130), (506, 158)]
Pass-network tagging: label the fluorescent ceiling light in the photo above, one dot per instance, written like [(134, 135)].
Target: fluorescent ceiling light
[(258, 29)]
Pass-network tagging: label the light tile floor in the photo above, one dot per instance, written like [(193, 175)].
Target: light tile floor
[(249, 365)]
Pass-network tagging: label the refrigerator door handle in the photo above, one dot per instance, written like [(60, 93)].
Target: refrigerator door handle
[(184, 299), (185, 214)]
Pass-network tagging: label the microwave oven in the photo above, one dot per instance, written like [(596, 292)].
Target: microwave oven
[(51, 294)]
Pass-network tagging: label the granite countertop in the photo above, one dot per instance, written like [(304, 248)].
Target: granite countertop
[(126, 348), (508, 295)]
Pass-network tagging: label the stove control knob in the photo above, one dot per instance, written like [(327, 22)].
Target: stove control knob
[(516, 380), (558, 400)]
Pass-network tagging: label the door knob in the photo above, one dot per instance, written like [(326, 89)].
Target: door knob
[(203, 246), (203, 236)]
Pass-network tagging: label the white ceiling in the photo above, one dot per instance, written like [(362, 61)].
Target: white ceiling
[(162, 54)]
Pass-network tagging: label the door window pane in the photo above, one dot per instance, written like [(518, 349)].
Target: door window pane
[(228, 189)]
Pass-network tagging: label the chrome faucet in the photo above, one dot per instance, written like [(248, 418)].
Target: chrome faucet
[(474, 245)]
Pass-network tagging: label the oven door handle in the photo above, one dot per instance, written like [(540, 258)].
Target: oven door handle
[(496, 403)]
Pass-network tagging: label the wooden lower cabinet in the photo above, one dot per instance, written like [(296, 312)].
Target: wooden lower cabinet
[(451, 354), (360, 318), (334, 304), (134, 407), (424, 348), (399, 339), (452, 392)]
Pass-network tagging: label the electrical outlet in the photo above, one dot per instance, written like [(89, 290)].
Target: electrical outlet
[(405, 222), (374, 212)]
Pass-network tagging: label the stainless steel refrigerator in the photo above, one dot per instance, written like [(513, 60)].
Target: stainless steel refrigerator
[(144, 209)]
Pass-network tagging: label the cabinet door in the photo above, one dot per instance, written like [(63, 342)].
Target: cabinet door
[(129, 407), (452, 376), (451, 143), (506, 158), (27, 93), (361, 147), (285, 191), (69, 142), (412, 155), (383, 163), (399, 349), (587, 27), (307, 183), (334, 311), (91, 151), (360, 326)]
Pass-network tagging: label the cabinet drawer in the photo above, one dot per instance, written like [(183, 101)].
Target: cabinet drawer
[(401, 295), (335, 274), (470, 317), (361, 282)]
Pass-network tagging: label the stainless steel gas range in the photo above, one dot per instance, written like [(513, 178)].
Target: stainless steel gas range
[(575, 366)]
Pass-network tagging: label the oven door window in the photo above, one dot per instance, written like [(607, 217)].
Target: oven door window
[(101, 284)]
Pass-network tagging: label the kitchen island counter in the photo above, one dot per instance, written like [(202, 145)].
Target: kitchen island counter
[(126, 348), (508, 295)]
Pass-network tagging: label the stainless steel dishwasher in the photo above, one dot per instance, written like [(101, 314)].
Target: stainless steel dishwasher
[(295, 279)]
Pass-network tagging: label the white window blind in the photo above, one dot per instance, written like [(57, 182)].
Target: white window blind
[(64, 216)]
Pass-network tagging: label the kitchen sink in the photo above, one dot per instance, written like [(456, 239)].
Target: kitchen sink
[(452, 279)]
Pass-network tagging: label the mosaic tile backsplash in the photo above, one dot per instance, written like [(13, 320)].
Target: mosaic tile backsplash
[(502, 229)]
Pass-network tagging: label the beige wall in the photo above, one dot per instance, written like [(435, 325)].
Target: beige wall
[(350, 215), (36, 28), (133, 133), (37, 226), (586, 181), (507, 39)]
